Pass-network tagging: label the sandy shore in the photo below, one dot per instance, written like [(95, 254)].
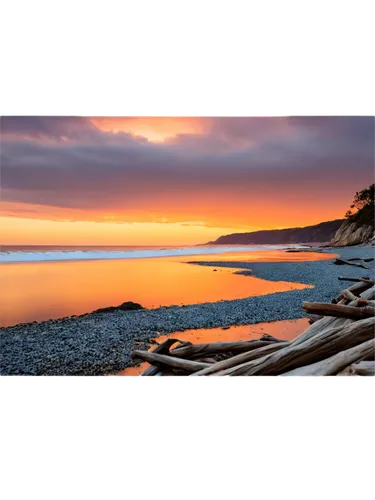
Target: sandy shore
[(96, 344)]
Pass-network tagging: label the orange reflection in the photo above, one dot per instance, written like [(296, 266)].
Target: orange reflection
[(40, 291), (264, 256), (284, 330)]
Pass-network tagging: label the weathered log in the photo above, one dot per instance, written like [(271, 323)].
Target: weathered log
[(337, 299), (169, 371), (347, 294), (364, 369), (337, 362), (202, 350), (164, 360), (162, 348), (338, 310), (242, 358), (310, 351), (166, 373), (209, 361), (331, 322), (364, 260), (369, 294), (359, 287), (319, 328), (340, 300), (314, 318), (340, 262)]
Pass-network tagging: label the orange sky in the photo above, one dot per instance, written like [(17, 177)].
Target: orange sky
[(173, 181), (153, 128), (22, 231)]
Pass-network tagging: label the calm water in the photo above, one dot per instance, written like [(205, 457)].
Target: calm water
[(9, 254), (35, 291)]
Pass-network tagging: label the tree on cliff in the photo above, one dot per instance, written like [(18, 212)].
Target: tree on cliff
[(363, 204)]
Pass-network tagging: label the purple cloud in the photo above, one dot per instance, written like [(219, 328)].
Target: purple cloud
[(68, 162)]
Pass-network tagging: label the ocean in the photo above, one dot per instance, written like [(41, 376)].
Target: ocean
[(43, 253), (48, 282)]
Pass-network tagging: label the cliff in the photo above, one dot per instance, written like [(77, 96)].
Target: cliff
[(319, 233), (353, 233)]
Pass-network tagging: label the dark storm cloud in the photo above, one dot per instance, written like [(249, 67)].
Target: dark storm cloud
[(68, 162)]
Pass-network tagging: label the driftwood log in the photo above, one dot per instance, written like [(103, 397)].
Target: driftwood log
[(357, 289), (364, 368), (162, 348), (199, 350), (341, 262), (347, 294), (331, 322), (242, 358), (337, 362), (315, 349), (165, 360), (314, 317), (339, 310)]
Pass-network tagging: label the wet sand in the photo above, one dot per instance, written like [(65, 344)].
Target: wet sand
[(41, 291)]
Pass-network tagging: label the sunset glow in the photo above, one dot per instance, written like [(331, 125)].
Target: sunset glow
[(152, 128), (175, 181)]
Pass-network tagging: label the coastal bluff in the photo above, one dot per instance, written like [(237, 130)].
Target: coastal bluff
[(358, 228), (318, 233), (352, 233)]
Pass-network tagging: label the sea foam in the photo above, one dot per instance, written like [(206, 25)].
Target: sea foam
[(66, 255)]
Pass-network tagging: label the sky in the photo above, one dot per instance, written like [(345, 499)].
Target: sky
[(175, 181)]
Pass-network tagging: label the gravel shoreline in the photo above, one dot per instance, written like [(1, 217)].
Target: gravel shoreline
[(97, 344)]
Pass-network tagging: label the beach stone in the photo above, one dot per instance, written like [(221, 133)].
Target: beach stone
[(125, 306)]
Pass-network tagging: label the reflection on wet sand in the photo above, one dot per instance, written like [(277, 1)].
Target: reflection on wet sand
[(45, 290), (264, 256)]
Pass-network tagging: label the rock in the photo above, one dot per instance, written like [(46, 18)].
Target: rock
[(125, 306), (350, 233)]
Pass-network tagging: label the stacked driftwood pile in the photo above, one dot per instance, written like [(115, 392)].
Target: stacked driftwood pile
[(340, 341)]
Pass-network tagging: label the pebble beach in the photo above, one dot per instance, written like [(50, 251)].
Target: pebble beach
[(102, 343)]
